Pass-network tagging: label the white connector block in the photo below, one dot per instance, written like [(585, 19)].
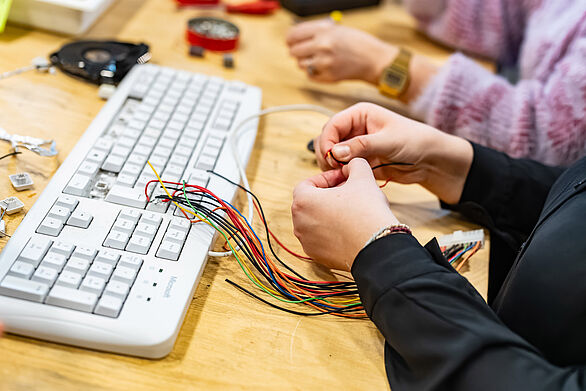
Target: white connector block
[(462, 237)]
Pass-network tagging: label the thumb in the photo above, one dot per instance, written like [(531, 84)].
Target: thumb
[(365, 146), (358, 169)]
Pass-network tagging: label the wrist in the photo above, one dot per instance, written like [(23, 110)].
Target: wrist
[(448, 164), (383, 58), (421, 71)]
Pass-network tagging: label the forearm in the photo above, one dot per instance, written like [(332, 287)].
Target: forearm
[(440, 333), (538, 119)]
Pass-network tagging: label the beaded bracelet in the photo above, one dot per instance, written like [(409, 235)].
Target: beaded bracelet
[(390, 230)]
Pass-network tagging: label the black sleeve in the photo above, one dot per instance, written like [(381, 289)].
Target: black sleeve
[(504, 194), (439, 332)]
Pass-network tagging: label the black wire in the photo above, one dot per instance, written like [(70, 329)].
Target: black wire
[(340, 311), (10, 154), (239, 238), (340, 284), (375, 167)]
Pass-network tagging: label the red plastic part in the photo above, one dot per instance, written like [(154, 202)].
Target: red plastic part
[(213, 44), (197, 2), (254, 8)]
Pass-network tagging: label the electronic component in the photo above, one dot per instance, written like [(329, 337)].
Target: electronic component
[(21, 181), (228, 60), (462, 238), (106, 91), (100, 62), (11, 205), (196, 51)]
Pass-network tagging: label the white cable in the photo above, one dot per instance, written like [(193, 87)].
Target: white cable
[(232, 140)]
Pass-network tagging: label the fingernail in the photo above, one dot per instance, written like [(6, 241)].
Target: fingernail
[(341, 151)]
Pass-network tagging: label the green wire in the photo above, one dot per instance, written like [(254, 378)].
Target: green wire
[(237, 256)]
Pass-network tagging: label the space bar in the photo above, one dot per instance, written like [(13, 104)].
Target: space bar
[(127, 196)]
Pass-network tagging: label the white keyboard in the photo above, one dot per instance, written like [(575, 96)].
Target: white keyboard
[(92, 264)]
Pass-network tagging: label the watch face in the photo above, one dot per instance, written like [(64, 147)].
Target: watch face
[(392, 79)]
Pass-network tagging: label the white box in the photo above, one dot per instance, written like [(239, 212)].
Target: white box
[(64, 16)]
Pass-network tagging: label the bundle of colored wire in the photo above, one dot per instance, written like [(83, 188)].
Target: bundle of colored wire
[(262, 268), (460, 253), (339, 298)]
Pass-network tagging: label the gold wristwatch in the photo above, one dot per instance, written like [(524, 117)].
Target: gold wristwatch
[(394, 80)]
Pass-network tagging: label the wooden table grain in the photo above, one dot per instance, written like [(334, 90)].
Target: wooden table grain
[(228, 341)]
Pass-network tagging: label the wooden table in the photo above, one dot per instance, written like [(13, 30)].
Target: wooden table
[(228, 340)]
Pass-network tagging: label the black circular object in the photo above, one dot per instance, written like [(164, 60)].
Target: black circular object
[(100, 61)]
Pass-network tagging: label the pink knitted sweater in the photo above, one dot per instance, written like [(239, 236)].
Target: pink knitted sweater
[(543, 116)]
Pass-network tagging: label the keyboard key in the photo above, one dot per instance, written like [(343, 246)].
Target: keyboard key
[(22, 270), (153, 219), (169, 250), (180, 225), (69, 279), (117, 289), (96, 156), (146, 230), (88, 168), (131, 262), (78, 185), (124, 274), (23, 288), (67, 202), (45, 275), (126, 180), (162, 151), (109, 306), (59, 212), (107, 257), (72, 298), (50, 226), (130, 214), (139, 244), (126, 196), (63, 248), (124, 225), (54, 260), (184, 151), (85, 253), (77, 265), (35, 250), (205, 163), (174, 235), (101, 270), (113, 163), (120, 150), (93, 284), (117, 239), (80, 219), (131, 169), (103, 144)]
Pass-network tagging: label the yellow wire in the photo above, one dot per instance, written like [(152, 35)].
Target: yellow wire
[(208, 223)]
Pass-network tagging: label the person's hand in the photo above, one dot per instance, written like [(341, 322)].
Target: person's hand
[(330, 52), (440, 162), (337, 211)]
